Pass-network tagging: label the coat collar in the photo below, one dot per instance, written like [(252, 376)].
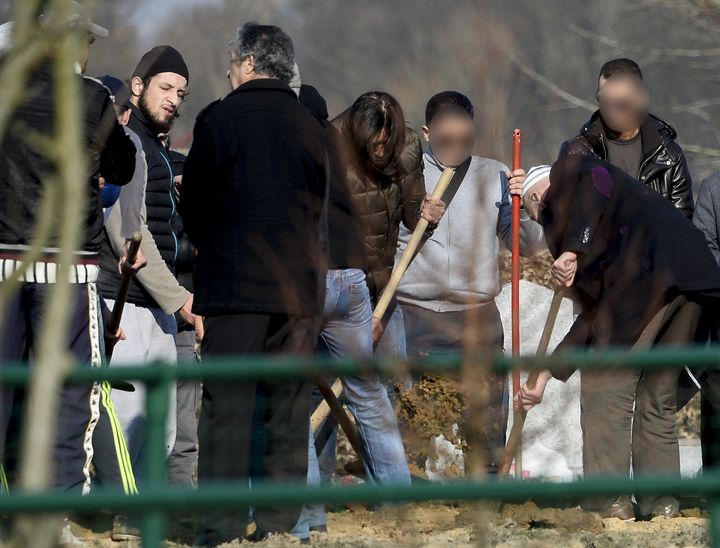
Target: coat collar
[(655, 133), (264, 84)]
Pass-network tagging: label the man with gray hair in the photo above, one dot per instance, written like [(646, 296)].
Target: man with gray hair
[(253, 203)]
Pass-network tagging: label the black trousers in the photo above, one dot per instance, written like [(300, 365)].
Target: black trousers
[(431, 333), (80, 405), (709, 411), (275, 450), (709, 379), (710, 419)]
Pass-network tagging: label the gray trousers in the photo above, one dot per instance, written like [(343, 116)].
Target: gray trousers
[(150, 338), (628, 415), (182, 462)]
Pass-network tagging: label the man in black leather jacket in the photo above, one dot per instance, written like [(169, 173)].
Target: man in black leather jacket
[(623, 133)]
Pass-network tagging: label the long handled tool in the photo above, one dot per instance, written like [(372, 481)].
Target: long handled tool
[(323, 410), (411, 249), (514, 443), (515, 280), (125, 279), (116, 315), (330, 399)]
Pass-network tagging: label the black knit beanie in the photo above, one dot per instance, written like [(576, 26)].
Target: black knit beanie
[(161, 59)]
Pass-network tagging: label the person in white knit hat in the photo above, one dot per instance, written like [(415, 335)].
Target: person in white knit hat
[(643, 276), (534, 188)]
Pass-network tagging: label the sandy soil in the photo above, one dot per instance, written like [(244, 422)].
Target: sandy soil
[(523, 525)]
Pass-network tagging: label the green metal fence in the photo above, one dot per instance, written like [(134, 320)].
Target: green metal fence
[(156, 498)]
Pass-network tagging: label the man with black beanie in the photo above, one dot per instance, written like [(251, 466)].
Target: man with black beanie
[(158, 87)]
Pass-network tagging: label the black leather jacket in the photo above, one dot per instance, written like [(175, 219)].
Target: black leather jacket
[(663, 167)]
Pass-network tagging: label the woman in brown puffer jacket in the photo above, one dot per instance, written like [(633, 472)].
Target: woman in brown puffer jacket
[(385, 175)]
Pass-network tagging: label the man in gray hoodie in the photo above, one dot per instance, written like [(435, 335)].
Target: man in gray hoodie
[(454, 279)]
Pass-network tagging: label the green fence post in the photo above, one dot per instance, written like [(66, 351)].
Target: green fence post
[(156, 405), (712, 475), (714, 511)]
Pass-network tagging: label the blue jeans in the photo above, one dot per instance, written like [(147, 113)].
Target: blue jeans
[(312, 515), (347, 332), (392, 343)]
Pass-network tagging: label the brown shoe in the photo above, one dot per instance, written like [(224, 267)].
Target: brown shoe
[(621, 509)]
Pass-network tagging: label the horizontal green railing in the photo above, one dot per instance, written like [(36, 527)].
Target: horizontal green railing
[(156, 498), (269, 368)]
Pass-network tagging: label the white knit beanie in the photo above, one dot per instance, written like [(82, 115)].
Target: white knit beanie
[(535, 175)]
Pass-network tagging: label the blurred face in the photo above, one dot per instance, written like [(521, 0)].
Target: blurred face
[(160, 99), (451, 135), (623, 102), (533, 201), (124, 117), (86, 53)]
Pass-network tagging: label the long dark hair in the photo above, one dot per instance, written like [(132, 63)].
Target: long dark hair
[(374, 114)]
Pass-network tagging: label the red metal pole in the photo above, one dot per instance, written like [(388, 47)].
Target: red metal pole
[(515, 306)]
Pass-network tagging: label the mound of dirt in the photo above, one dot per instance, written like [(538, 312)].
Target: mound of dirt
[(530, 516), (430, 408), (534, 269)]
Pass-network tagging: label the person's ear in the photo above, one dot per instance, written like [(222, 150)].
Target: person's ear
[(249, 65), (125, 117), (426, 133), (137, 86)]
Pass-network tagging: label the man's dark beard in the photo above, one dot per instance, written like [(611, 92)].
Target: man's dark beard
[(158, 126)]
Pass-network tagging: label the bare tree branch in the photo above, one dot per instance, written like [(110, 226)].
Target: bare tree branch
[(654, 53), (577, 102), (550, 85)]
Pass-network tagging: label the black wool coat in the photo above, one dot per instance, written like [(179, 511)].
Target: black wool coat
[(635, 250), (253, 203)]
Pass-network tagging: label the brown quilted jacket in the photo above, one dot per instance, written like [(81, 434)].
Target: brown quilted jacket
[(382, 203)]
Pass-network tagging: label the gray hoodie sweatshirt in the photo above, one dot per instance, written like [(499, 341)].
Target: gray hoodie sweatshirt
[(458, 267)]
